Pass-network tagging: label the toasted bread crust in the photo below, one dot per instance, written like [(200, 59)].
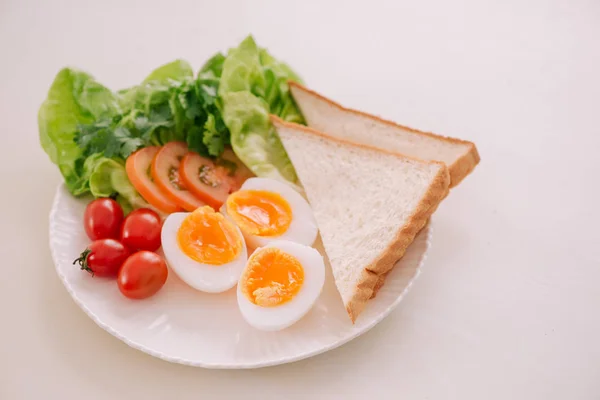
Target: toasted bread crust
[(464, 165), (379, 284), (458, 170), (374, 274)]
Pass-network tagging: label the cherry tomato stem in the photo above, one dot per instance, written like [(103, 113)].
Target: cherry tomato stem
[(103, 257)]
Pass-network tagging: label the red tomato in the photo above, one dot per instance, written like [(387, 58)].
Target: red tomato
[(165, 173), (142, 275), (213, 180), (102, 219), (103, 257), (141, 230), (138, 171)]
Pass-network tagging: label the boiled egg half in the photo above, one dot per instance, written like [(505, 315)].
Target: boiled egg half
[(205, 249), (280, 284), (266, 210)]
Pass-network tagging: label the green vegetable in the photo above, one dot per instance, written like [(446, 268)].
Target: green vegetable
[(211, 71), (155, 84), (254, 84), (74, 98), (277, 93), (253, 138), (82, 121), (88, 131), (175, 71), (168, 106), (107, 178)]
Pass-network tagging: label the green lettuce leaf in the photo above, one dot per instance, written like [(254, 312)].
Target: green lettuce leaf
[(74, 98), (177, 70), (277, 93), (212, 70), (253, 137), (108, 178), (242, 70), (252, 85), (154, 89)]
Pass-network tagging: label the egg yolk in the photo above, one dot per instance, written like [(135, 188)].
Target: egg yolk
[(208, 237), (260, 212), (272, 277)]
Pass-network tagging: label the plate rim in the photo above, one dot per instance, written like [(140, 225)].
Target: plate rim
[(249, 365)]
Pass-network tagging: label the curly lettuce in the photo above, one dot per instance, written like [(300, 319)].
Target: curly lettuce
[(74, 98), (108, 178), (252, 85)]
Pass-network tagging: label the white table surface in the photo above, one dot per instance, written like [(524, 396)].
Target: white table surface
[(508, 304)]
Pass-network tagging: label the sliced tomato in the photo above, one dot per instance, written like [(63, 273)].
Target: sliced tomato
[(165, 172), (138, 172), (213, 180)]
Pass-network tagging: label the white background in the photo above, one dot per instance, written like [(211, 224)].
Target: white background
[(508, 306)]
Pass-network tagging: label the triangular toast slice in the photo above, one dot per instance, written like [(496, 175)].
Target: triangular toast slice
[(369, 204), (325, 115)]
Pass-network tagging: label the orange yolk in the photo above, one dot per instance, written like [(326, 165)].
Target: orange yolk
[(259, 212), (272, 277), (208, 237)]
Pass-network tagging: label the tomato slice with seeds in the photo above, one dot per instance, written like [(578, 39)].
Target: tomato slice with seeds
[(138, 172), (165, 172), (213, 180)]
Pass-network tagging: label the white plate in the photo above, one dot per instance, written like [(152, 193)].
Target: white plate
[(185, 326)]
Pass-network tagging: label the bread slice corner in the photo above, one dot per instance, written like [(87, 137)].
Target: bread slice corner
[(369, 204)]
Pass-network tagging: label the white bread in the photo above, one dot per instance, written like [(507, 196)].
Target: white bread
[(369, 204), (325, 115)]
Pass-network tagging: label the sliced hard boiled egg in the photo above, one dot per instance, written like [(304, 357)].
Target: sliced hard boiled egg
[(280, 284), (205, 249), (267, 210)]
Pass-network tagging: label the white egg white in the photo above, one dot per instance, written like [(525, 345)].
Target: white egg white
[(303, 228), (282, 316), (203, 277)]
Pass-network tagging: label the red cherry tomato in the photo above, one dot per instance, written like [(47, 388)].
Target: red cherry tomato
[(102, 219), (142, 275), (103, 257), (141, 230)]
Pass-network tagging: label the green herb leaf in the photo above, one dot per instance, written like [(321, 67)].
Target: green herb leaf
[(195, 142), (213, 139), (130, 145)]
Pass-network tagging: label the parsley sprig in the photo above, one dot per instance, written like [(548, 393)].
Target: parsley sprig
[(158, 112)]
